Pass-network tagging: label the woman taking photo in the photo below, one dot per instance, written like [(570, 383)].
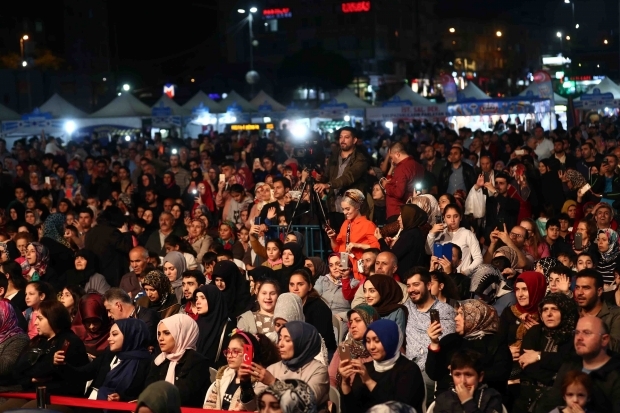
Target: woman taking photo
[(316, 312), (120, 372), (35, 365), (408, 244), (174, 267), (214, 324), (85, 274), (179, 363), (384, 294), (359, 319), (476, 325), (357, 233), (159, 295), (225, 392), (12, 341), (587, 229), (299, 343), (92, 325), (450, 231), (329, 287), (545, 347), (261, 321), (389, 377)]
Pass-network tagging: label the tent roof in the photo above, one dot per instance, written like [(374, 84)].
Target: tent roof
[(264, 99), (605, 86), (202, 98), (235, 98), (353, 102), (177, 110), (472, 91), (405, 93), (557, 99), (123, 106), (60, 108), (8, 114)]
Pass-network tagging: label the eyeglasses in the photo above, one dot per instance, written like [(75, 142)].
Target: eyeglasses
[(232, 353), (515, 235), (585, 333)]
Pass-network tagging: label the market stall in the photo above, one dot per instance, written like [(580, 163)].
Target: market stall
[(60, 108), (238, 110), (559, 103), (203, 116), (601, 99), (406, 105), (167, 116), (267, 108)]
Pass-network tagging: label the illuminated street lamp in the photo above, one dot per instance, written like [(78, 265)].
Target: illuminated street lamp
[(241, 11), (23, 39), (567, 37), (605, 41), (498, 33), (577, 26), (451, 29), (126, 87), (253, 10), (559, 34)]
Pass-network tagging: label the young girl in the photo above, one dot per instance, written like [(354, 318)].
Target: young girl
[(36, 293), (576, 391), (274, 254)]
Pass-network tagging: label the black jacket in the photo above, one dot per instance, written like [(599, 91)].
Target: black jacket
[(28, 366), (319, 315), (112, 247), (409, 249), (598, 186), (191, 377), (469, 177), (100, 367), (61, 260), (501, 207), (353, 177)]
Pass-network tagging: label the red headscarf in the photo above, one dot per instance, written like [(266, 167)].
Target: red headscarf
[(536, 288), (91, 307)]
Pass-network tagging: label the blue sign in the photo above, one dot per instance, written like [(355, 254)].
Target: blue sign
[(161, 110), (234, 107), (201, 109), (397, 102), (597, 95), (37, 115), (265, 107), (333, 104)]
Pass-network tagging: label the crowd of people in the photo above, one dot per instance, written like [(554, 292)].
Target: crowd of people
[(466, 272)]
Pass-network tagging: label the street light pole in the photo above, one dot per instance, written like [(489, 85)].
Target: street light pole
[(21, 45), (250, 20)]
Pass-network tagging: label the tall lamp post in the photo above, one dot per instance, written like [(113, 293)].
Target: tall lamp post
[(252, 77), (23, 39)]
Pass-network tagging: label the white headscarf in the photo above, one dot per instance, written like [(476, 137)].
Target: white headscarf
[(184, 330)]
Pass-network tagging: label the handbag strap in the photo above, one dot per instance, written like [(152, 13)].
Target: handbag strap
[(219, 348)]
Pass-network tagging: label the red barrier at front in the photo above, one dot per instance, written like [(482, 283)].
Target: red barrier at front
[(98, 404)]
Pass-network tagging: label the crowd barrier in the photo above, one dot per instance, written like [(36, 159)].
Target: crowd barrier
[(316, 241), (97, 404)]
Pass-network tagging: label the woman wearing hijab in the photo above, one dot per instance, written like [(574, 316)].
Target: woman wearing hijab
[(608, 252), (385, 295), (476, 325), (119, 373), (329, 286), (408, 245), (357, 233), (214, 323), (159, 295), (553, 191), (388, 377), (317, 267), (197, 237), (179, 363), (169, 187), (292, 260), (545, 347), (92, 325), (543, 266), (12, 341), (37, 257), (60, 253), (489, 285), (359, 319), (236, 288), (85, 274), (16, 213), (174, 267), (291, 395), (159, 397), (428, 204), (530, 288), (299, 343)]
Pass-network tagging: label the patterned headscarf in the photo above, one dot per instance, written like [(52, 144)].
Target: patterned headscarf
[(429, 204), (53, 228), (576, 179), (570, 315), (294, 396), (508, 253), (8, 322), (160, 283), (354, 197), (488, 283), (479, 318), (5, 248), (547, 263), (368, 314), (43, 257), (391, 407), (613, 251)]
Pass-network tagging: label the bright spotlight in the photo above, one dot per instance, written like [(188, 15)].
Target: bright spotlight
[(253, 10), (70, 127), (174, 151), (347, 118), (299, 131), (266, 119), (127, 138), (24, 63), (126, 87), (119, 93), (240, 11), (451, 29), (389, 125), (25, 37), (577, 26), (559, 34)]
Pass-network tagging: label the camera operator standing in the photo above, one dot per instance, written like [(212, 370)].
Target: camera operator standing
[(346, 170), (400, 187)]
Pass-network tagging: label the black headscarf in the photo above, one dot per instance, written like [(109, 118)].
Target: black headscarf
[(237, 291), (570, 315), (20, 209), (81, 277), (413, 216), (284, 274), (212, 323)]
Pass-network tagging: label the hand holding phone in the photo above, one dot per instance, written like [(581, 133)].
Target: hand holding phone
[(434, 316), (65, 346), (248, 354), (344, 260), (584, 189), (345, 352)]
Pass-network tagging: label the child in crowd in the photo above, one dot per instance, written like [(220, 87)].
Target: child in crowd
[(274, 254), (576, 391), (567, 260), (469, 395)]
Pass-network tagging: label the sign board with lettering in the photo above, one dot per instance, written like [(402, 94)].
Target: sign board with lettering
[(406, 113), (356, 7), (277, 13), (250, 126)]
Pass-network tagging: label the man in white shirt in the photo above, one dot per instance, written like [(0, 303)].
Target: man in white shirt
[(544, 147)]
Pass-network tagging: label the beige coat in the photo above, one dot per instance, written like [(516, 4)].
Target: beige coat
[(215, 394)]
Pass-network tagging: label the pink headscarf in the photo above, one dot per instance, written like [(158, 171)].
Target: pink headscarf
[(184, 330)]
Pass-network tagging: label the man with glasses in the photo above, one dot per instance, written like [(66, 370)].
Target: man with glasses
[(591, 339), (588, 291), (515, 239)]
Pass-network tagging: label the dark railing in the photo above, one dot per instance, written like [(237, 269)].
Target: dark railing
[(316, 241)]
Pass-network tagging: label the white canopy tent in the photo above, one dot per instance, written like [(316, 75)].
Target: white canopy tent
[(264, 101), (175, 109), (236, 100), (605, 86), (408, 95), (60, 108), (346, 96), (532, 90), (125, 105), (8, 114), (472, 91), (202, 100)]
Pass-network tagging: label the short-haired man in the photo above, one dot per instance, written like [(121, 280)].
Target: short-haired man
[(85, 221), (120, 306), (588, 291), (420, 303), (554, 239), (401, 186), (369, 257), (281, 186), (181, 176), (155, 243), (603, 215), (131, 282), (21, 321), (456, 174), (192, 279), (591, 340)]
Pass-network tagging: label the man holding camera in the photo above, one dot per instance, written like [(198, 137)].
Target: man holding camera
[(346, 170), (400, 187)]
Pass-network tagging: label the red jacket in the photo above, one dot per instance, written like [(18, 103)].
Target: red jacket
[(400, 187)]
